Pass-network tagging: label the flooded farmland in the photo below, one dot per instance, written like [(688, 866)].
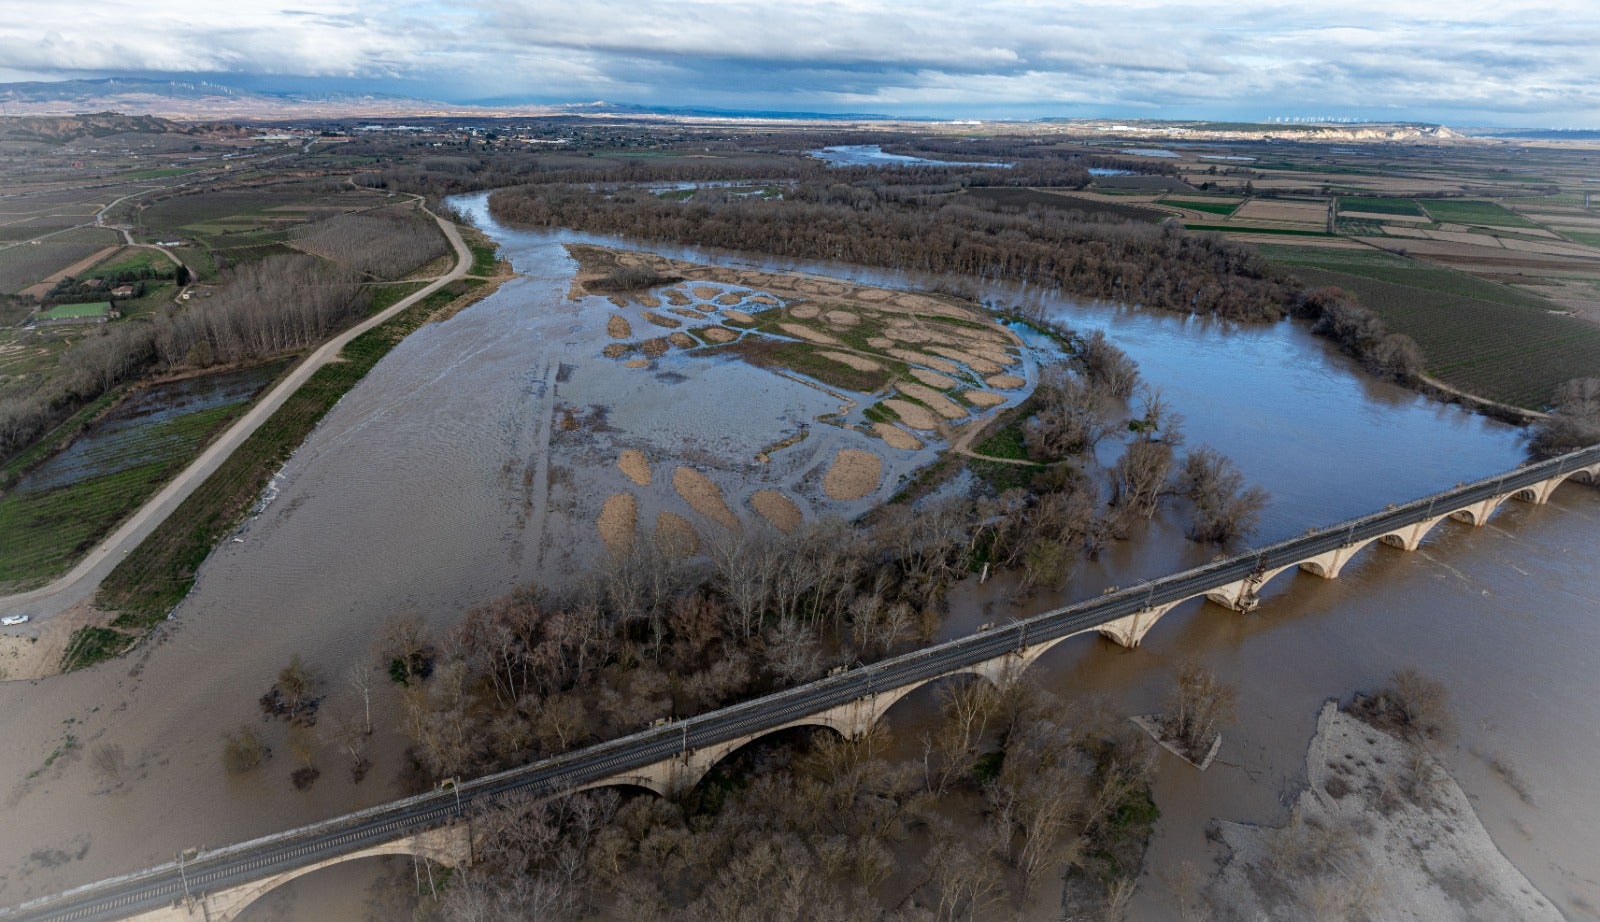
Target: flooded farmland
[(444, 479), (57, 510)]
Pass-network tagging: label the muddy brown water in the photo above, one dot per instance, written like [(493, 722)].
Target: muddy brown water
[(422, 491)]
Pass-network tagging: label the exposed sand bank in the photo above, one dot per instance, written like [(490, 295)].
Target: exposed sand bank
[(1382, 832), (636, 466), (895, 437), (777, 509), (617, 520), (704, 497), (852, 475)]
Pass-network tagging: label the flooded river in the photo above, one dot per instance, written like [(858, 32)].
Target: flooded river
[(425, 491)]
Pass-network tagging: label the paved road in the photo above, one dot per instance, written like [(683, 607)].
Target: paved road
[(82, 580), (237, 864)]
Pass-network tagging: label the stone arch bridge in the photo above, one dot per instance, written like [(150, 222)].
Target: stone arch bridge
[(670, 759)]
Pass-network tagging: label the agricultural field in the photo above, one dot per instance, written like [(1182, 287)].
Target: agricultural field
[(1380, 205), (1485, 338), (1223, 207), (1483, 214), (26, 264)]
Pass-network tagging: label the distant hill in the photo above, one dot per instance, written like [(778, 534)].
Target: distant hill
[(608, 108), (202, 100), (63, 128)]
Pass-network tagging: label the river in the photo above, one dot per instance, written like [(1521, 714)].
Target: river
[(423, 491)]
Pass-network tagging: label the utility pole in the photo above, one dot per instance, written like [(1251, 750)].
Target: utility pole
[(183, 874)]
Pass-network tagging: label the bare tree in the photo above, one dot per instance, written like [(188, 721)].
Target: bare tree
[(350, 735), (404, 649), (243, 750), (109, 763), (359, 678), (791, 652), (1412, 706), (303, 746), (1574, 420), (1106, 366), (294, 696), (1225, 508), (1199, 705), (1139, 476), (1074, 414)]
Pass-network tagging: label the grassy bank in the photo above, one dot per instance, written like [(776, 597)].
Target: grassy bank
[(156, 576)]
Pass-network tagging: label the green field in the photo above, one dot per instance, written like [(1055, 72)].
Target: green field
[(1486, 339), (1486, 214), (1378, 205), (76, 311), (1210, 207), (156, 576), (133, 260), (1590, 238)]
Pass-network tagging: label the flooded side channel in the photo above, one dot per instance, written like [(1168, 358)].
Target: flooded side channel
[(440, 482)]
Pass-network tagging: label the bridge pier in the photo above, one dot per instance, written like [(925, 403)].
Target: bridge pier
[(1239, 596)]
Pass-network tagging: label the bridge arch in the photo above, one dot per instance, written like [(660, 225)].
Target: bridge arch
[(446, 845)]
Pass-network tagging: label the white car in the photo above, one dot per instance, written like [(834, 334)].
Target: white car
[(9, 620)]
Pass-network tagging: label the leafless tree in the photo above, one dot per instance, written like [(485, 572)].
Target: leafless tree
[(1225, 508), (1139, 476), (404, 649), (359, 678), (348, 733), (1107, 367), (302, 745), (1198, 707), (109, 763), (243, 750), (1574, 420), (1074, 414), (294, 697), (1412, 706), (791, 652), (746, 565)]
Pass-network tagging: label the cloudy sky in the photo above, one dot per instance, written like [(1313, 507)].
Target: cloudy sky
[(1500, 62)]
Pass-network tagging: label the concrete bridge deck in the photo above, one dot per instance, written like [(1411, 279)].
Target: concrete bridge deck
[(672, 758)]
